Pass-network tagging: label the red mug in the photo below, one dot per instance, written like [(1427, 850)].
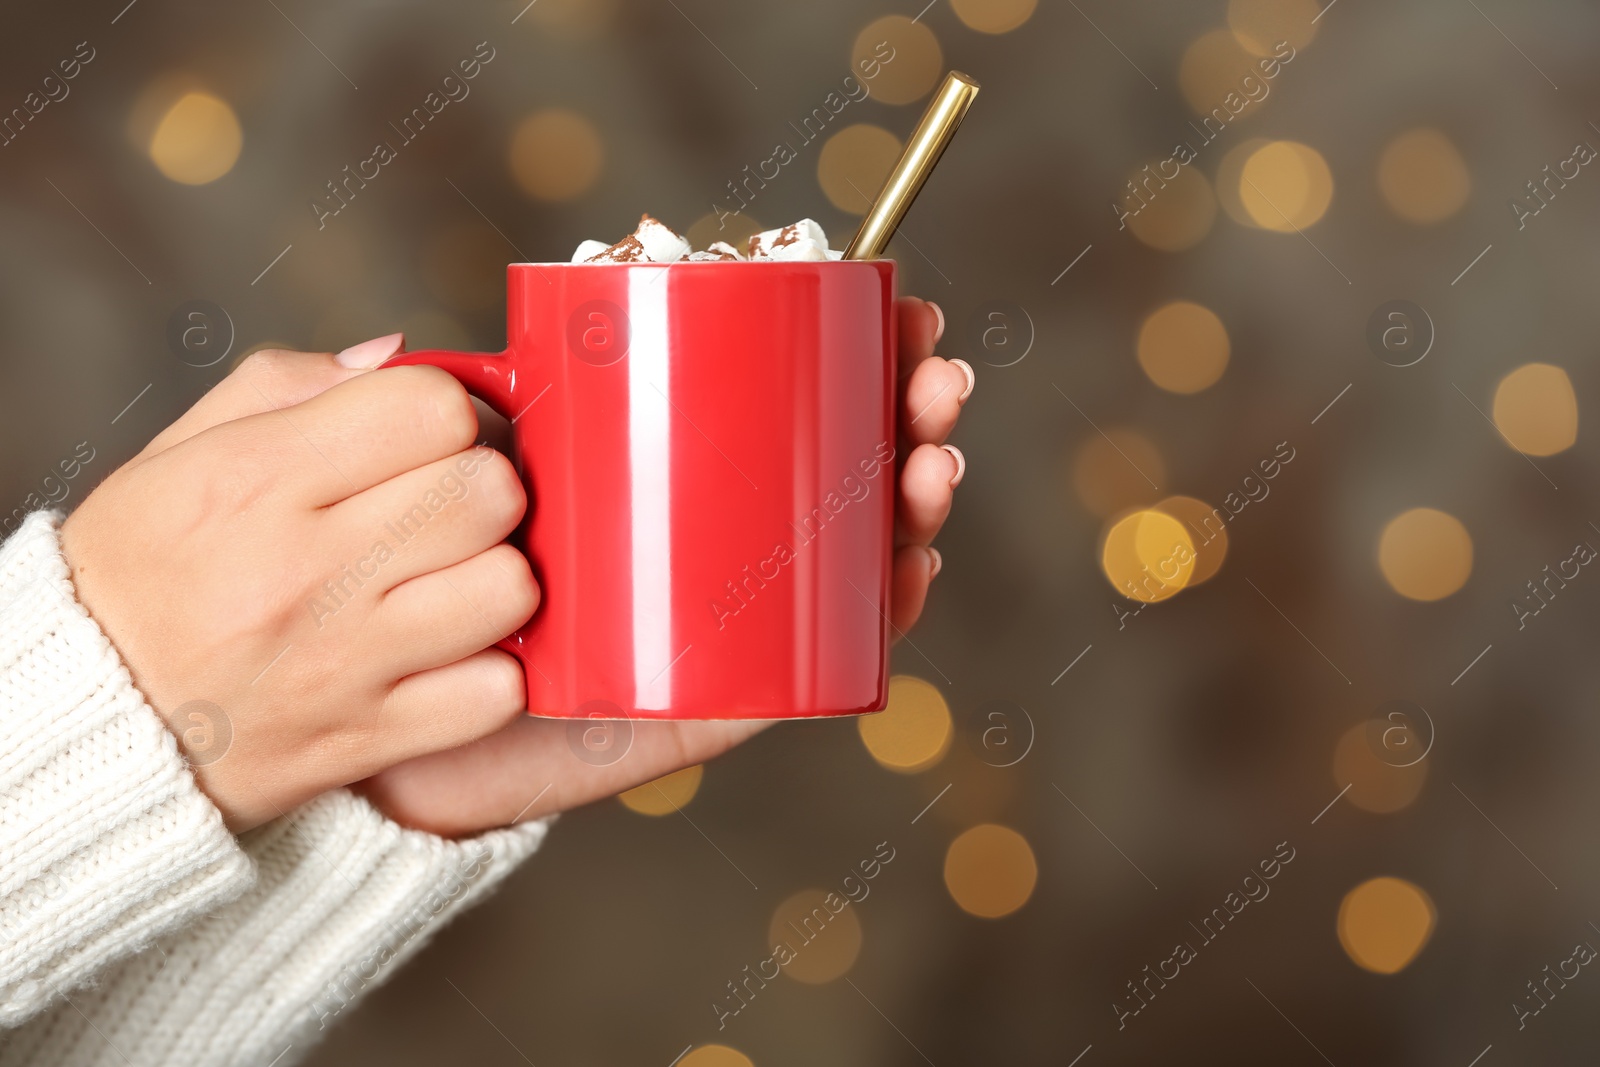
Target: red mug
[(708, 450)]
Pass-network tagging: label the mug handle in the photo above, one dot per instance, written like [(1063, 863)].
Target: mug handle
[(490, 377), (486, 375)]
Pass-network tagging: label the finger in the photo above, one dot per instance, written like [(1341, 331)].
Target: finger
[(532, 768), (450, 614), (444, 708), (915, 567), (269, 380), (921, 325), (369, 429), (932, 399), (432, 517), (926, 488)]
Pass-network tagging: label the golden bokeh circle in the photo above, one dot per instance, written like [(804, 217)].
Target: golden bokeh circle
[(1230, 179), (576, 18), (198, 139), (1286, 186), (556, 154), (1375, 786), (1169, 214), (1425, 554), (821, 930), (1384, 923), (1114, 471), (722, 226), (853, 165), (1148, 556), (1536, 408), (990, 871), (715, 1056), (913, 733), (666, 794), (1183, 347), (1260, 25), (994, 16), (1422, 176), (1208, 530), (1213, 66), (905, 54)]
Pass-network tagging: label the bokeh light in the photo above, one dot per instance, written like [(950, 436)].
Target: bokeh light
[(198, 140), (1536, 408), (1423, 177), (666, 794), (1183, 347), (994, 16), (1170, 215), (715, 226), (556, 154), (853, 165), (1286, 186), (913, 732), (1229, 179), (907, 56), (1148, 556), (1375, 785), (1208, 530), (1425, 554), (825, 939), (1384, 923), (1259, 25), (1215, 65), (576, 18), (990, 871), (715, 1056), (1115, 471)]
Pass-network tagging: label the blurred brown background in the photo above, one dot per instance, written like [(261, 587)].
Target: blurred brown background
[(1099, 780)]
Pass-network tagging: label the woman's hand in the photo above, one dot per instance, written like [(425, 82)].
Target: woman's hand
[(528, 769), (310, 561)]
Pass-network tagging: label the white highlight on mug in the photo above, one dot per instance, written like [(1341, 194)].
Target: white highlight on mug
[(650, 444)]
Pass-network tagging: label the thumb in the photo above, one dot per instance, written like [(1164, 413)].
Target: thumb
[(270, 380)]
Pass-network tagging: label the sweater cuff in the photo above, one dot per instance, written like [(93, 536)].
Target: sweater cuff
[(106, 842), (343, 898)]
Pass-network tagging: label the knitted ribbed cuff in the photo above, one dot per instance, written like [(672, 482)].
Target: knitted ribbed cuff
[(106, 843), (343, 897)]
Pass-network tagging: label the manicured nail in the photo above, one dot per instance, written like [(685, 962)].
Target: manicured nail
[(972, 379), (935, 563), (961, 464), (370, 354), (938, 331)]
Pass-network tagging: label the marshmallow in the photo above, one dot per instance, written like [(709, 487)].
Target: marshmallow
[(803, 250), (765, 245), (655, 242), (661, 244), (652, 242)]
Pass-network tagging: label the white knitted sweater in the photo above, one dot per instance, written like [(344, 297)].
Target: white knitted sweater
[(134, 928)]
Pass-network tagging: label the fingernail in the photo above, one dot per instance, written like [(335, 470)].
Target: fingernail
[(972, 379), (938, 331), (935, 563), (370, 354), (961, 464)]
